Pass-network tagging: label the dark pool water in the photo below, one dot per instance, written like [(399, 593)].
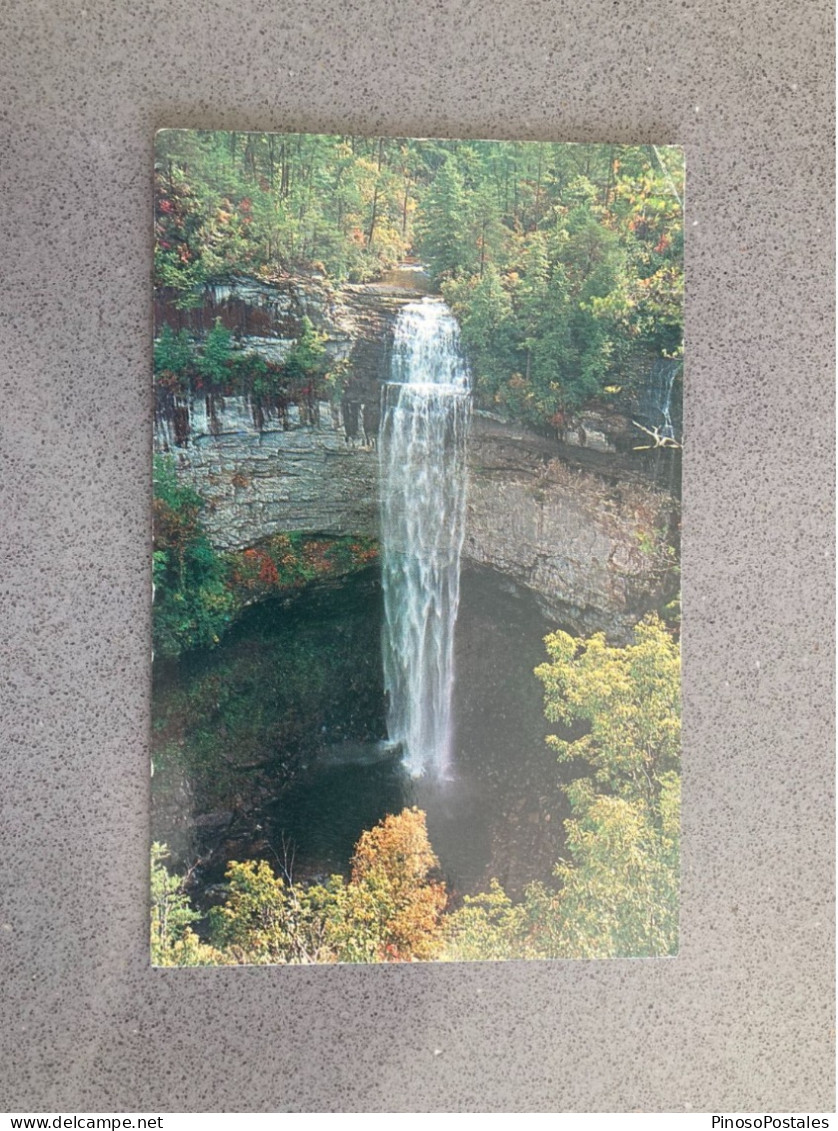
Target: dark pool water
[(305, 684)]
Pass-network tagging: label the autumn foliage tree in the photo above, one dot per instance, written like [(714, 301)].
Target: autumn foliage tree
[(616, 891), (619, 885), (389, 910)]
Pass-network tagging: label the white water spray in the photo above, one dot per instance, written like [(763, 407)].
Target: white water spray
[(422, 446)]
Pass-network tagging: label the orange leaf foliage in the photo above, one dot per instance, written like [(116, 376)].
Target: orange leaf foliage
[(393, 862)]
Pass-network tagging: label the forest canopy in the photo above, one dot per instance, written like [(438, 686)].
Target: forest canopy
[(562, 263)]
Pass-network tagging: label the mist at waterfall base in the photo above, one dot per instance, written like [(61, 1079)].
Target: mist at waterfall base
[(499, 811), (422, 445)]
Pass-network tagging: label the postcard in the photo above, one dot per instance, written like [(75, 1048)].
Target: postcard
[(416, 621)]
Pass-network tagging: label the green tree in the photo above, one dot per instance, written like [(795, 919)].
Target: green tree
[(616, 893), (213, 362), (629, 698), (180, 233), (489, 235), (487, 927), (444, 231), (172, 352), (192, 604), (485, 312), (307, 361), (268, 920), (619, 885), (171, 911), (173, 942), (389, 910)]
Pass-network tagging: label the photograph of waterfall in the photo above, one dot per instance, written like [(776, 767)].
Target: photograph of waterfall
[(416, 619)]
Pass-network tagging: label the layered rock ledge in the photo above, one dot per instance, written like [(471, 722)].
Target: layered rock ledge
[(577, 522)]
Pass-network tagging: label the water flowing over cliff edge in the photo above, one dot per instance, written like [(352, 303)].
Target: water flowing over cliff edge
[(581, 523)]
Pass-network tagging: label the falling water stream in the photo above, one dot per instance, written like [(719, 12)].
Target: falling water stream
[(422, 444), (655, 401)]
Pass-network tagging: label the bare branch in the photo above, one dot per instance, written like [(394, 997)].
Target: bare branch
[(660, 441)]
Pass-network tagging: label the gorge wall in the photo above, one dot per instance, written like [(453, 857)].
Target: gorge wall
[(577, 523), (595, 548)]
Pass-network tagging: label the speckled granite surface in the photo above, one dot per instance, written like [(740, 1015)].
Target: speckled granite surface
[(742, 1018)]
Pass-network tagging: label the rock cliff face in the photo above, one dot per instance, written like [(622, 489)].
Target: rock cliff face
[(593, 547), (575, 523), (267, 318), (596, 549), (316, 468), (304, 477)]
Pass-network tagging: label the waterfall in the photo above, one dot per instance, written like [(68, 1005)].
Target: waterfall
[(666, 403), (422, 445), (655, 405)]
